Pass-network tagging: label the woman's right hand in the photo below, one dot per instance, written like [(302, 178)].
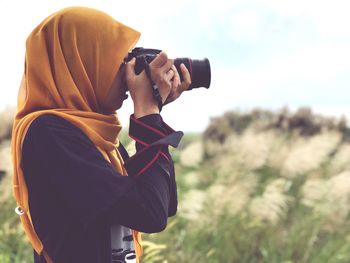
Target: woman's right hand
[(140, 86)]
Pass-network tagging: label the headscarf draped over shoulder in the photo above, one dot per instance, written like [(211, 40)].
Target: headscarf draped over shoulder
[(71, 60)]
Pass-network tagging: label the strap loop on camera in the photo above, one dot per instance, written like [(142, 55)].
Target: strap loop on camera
[(155, 90), (19, 211)]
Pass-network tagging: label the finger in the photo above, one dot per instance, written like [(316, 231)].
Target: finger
[(186, 75), (170, 74), (172, 95), (160, 60), (169, 99), (167, 65), (176, 80)]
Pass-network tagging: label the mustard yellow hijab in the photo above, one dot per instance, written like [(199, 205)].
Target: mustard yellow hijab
[(71, 60)]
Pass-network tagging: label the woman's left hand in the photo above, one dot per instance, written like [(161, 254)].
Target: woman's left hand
[(178, 86)]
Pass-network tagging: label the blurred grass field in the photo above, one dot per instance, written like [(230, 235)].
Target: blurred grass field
[(254, 187)]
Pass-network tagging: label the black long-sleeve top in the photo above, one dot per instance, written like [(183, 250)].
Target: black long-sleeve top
[(82, 209)]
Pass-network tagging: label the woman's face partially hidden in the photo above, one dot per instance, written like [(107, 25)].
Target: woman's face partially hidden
[(117, 94)]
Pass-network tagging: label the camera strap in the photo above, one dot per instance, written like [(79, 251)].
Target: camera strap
[(155, 90)]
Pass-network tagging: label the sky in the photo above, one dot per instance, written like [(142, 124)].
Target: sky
[(263, 53)]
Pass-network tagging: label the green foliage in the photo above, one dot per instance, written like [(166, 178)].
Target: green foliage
[(266, 175), (152, 252), (241, 239), (124, 136), (14, 246)]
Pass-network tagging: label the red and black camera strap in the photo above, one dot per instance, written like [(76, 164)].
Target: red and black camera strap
[(155, 90)]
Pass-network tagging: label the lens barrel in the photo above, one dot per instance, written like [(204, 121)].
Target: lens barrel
[(199, 70)]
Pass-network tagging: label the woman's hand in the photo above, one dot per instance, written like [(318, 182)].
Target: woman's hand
[(140, 86), (164, 75), (178, 87)]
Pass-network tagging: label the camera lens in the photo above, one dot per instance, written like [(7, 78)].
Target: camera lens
[(199, 70)]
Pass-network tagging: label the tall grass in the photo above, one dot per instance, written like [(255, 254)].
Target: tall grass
[(263, 192)]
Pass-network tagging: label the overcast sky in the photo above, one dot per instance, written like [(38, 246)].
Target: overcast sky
[(266, 54)]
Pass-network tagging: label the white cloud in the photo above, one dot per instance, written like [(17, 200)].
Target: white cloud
[(219, 9), (246, 26), (318, 63), (330, 17)]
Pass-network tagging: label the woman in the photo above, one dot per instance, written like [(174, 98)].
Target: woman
[(80, 197)]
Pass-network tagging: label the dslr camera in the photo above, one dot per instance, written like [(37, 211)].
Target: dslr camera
[(199, 69)]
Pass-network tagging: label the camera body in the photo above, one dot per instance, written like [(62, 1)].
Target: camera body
[(198, 69)]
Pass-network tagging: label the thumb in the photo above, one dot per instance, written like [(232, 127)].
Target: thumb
[(130, 68)]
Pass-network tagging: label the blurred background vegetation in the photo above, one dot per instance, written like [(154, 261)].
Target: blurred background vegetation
[(257, 186)]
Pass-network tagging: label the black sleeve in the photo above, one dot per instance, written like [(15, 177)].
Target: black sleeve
[(153, 169), (152, 130), (65, 160)]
